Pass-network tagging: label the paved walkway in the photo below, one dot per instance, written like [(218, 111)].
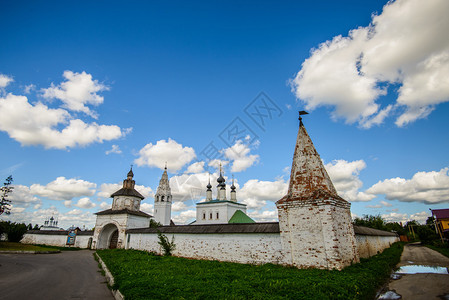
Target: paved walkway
[(66, 275), (422, 286)]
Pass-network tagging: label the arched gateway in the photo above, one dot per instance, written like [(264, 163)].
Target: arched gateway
[(108, 237), (111, 224)]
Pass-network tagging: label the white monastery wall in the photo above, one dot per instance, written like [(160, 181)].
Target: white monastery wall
[(232, 247), (256, 248), (369, 245), (81, 241)]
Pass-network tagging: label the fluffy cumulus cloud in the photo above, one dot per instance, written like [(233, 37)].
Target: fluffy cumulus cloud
[(420, 217), (255, 192), (174, 154), (345, 176), (77, 91), (184, 217), (50, 127), (64, 189), (427, 187), (85, 203), (22, 194), (240, 156), (196, 167), (405, 45)]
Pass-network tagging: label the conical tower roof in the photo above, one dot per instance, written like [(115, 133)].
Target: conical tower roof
[(308, 178), (164, 184)]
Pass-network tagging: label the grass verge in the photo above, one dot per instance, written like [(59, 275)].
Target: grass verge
[(442, 250), (143, 275), (10, 246)]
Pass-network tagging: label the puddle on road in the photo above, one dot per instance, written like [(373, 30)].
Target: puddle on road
[(417, 269)]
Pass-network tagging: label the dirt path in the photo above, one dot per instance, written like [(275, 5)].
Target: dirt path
[(422, 286)]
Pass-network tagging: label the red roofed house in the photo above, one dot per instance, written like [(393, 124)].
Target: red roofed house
[(442, 220)]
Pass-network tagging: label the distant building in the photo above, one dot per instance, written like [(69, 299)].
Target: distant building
[(442, 221), (50, 224), (221, 210)]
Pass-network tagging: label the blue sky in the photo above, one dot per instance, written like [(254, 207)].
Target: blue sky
[(87, 89)]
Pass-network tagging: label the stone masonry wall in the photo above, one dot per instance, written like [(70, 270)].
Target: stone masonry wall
[(317, 233)]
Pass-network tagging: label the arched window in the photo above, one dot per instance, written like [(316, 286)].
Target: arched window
[(204, 215), (162, 198), (217, 215), (210, 216)]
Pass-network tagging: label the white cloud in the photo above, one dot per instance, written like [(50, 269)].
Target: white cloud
[(178, 206), (85, 203), (427, 187), (29, 88), (258, 190), (22, 194), (239, 154), (107, 189), (68, 203), (105, 205), (175, 155), (64, 189), (420, 217), (345, 177), (196, 167), (39, 127), (5, 80), (146, 207), (189, 186), (184, 217), (76, 92), (404, 45), (386, 204), (215, 163), (115, 149), (264, 216), (396, 217)]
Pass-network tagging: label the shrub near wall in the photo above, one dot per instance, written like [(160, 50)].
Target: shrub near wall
[(142, 275)]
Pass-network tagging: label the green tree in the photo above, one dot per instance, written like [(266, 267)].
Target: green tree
[(16, 231), (4, 201)]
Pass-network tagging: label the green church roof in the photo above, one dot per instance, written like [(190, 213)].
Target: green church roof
[(240, 217)]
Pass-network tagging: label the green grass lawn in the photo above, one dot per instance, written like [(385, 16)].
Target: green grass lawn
[(442, 250), (10, 246), (142, 275)]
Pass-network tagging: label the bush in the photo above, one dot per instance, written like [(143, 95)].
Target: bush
[(427, 234), (167, 246)]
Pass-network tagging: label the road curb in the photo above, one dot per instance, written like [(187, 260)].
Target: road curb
[(116, 293)]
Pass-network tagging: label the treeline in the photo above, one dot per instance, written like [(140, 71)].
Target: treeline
[(15, 231), (425, 233)]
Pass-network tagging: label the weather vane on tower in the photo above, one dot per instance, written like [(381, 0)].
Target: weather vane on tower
[(302, 112)]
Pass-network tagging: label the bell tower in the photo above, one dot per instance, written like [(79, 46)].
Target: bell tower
[(163, 200)]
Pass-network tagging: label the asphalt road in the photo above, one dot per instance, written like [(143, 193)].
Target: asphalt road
[(66, 275), (422, 286)]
